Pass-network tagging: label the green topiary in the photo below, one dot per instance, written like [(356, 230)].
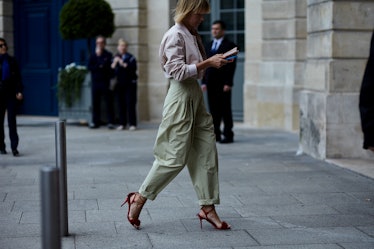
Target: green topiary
[(81, 19), (85, 19)]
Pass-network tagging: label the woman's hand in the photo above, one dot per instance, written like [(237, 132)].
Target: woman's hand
[(218, 61), (115, 61)]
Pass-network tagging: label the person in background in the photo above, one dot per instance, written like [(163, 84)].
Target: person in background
[(101, 73), (366, 104), (218, 82), (10, 94), (185, 135), (125, 66)]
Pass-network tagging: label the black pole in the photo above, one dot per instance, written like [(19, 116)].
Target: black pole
[(61, 165), (50, 204)]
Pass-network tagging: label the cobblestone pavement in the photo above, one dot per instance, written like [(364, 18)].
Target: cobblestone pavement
[(271, 197)]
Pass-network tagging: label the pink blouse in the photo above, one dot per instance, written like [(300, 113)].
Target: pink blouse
[(179, 53)]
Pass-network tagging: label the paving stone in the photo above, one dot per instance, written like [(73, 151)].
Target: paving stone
[(272, 198), (22, 205), (91, 228), (10, 217), (310, 246), (252, 223), (113, 242), (34, 217), (82, 205), (301, 236), (278, 210), (201, 239), (330, 198), (330, 220), (21, 243), (267, 199), (367, 229), (6, 206), (10, 230), (355, 208), (357, 245)]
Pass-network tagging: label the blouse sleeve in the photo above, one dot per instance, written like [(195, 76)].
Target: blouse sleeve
[(173, 58)]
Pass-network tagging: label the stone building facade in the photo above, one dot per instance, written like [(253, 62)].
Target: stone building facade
[(304, 62)]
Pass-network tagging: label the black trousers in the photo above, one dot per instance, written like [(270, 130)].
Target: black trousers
[(220, 109), (8, 105), (98, 92), (126, 99)]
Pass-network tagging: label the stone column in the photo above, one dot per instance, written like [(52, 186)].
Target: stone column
[(275, 56), (339, 35), (159, 21), (131, 25), (6, 23)]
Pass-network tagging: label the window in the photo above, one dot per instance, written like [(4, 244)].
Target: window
[(232, 13)]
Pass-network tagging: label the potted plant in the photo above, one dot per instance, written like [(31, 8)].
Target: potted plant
[(70, 81), (81, 19)]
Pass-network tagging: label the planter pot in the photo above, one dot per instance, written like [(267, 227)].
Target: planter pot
[(81, 110)]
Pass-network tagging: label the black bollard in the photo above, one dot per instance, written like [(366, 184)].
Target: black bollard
[(61, 165), (50, 204)]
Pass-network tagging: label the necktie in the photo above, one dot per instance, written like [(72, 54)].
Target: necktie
[(214, 47)]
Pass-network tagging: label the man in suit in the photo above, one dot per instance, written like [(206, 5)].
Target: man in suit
[(101, 73), (218, 84), (10, 94)]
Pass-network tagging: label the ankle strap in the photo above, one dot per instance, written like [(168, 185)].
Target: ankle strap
[(210, 210)]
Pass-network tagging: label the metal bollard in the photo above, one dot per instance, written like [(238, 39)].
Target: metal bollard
[(61, 164), (50, 204)]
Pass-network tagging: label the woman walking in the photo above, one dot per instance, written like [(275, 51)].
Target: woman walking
[(186, 135)]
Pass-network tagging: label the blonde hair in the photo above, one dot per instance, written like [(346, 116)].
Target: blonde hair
[(187, 7), (122, 41)]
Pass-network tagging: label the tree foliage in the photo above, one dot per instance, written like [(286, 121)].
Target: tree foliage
[(85, 19)]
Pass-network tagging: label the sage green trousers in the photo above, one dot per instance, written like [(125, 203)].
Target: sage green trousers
[(185, 137)]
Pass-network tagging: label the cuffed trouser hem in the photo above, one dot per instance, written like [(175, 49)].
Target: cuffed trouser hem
[(209, 202), (149, 196)]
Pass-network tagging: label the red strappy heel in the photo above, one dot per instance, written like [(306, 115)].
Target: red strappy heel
[(224, 225), (135, 222)]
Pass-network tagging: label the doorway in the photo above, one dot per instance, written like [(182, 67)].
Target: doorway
[(232, 13)]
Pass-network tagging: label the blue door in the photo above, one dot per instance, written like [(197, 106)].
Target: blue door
[(40, 51)]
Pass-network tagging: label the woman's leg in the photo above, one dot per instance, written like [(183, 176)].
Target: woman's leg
[(203, 161), (203, 167), (171, 149)]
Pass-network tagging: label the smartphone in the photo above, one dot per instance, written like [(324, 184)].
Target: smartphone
[(231, 57)]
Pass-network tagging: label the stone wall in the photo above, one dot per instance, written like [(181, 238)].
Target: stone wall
[(338, 46), (275, 56), (159, 21), (143, 23), (6, 23), (131, 24)]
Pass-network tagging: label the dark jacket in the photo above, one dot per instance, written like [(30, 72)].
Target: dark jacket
[(218, 77), (367, 100), (126, 75), (101, 72), (13, 84)]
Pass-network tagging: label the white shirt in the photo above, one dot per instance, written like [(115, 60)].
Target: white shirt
[(179, 53), (217, 43)]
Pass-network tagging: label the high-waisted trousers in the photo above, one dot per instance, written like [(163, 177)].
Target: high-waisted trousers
[(185, 137)]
